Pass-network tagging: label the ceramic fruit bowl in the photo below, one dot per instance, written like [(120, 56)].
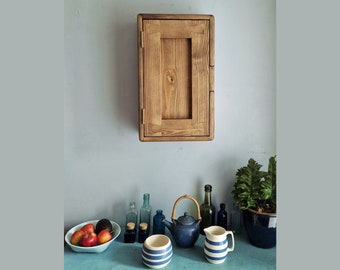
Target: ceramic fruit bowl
[(97, 248)]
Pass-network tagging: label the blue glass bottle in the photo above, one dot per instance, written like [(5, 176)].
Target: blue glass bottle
[(158, 225), (222, 217)]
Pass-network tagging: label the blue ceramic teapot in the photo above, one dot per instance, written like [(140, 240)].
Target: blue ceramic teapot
[(185, 230)]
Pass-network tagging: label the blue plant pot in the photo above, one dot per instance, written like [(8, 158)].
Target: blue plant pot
[(260, 228)]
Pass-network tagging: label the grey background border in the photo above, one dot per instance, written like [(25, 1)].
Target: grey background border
[(31, 144), (31, 141), (307, 133)]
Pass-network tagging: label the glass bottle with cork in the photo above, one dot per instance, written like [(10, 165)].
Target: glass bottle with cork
[(143, 232), (207, 210), (132, 214), (131, 223), (130, 233)]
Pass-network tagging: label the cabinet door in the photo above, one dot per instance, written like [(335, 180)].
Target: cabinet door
[(176, 77)]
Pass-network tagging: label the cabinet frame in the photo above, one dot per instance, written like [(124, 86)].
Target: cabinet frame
[(186, 43)]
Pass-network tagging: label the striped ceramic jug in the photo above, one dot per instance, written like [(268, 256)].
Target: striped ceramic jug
[(216, 245)]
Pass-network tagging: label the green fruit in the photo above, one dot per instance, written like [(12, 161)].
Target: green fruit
[(103, 224)]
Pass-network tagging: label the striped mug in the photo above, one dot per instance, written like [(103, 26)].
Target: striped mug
[(157, 251)]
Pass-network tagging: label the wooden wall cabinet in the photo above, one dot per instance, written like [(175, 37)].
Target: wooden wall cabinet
[(176, 77)]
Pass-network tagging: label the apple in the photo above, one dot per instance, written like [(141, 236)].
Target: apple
[(104, 236), (88, 239), (88, 228), (76, 237)]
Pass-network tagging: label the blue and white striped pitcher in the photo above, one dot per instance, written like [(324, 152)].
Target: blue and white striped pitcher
[(216, 246)]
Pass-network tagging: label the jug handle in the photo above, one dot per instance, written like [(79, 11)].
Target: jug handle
[(173, 215), (232, 240)]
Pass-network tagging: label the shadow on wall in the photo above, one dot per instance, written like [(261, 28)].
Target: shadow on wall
[(125, 66), (125, 82)]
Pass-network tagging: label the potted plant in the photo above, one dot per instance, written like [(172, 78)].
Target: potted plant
[(255, 194)]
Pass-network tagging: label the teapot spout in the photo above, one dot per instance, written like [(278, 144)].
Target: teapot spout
[(167, 224)]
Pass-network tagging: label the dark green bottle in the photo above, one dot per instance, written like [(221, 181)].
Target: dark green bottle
[(207, 210)]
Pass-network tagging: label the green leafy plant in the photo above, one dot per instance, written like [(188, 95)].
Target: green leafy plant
[(254, 188)]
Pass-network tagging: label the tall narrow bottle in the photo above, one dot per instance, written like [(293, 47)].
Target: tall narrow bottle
[(207, 210), (222, 217), (145, 211), (132, 215)]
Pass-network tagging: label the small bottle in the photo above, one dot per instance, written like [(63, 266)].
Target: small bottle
[(207, 210), (145, 211), (222, 217), (132, 215), (143, 232), (130, 233), (158, 225)]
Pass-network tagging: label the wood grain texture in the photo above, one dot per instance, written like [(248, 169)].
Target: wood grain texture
[(176, 77)]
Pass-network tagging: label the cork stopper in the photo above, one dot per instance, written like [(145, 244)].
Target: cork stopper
[(143, 226), (130, 226)]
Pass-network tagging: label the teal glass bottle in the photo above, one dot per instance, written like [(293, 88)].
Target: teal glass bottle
[(158, 225), (207, 210), (145, 211)]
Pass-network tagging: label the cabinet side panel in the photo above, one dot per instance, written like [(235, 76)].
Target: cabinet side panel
[(140, 76)]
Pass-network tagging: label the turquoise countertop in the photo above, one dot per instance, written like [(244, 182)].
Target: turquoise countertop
[(128, 256)]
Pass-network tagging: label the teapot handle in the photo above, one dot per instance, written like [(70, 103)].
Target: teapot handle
[(173, 215)]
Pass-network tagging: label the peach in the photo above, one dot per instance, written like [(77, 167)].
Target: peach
[(104, 236), (88, 228), (76, 236)]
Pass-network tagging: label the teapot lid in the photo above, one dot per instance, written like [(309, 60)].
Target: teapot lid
[(186, 219)]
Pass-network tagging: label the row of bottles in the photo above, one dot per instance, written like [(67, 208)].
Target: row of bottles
[(207, 211), (143, 232)]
